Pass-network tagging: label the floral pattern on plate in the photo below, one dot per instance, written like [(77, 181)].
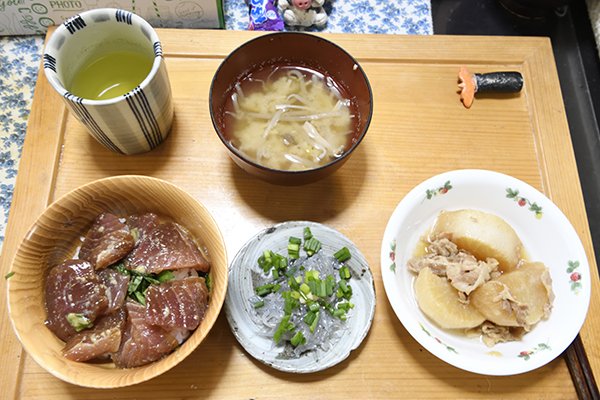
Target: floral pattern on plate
[(549, 240), (522, 202)]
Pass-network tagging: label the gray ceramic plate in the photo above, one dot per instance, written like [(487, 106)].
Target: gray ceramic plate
[(238, 306)]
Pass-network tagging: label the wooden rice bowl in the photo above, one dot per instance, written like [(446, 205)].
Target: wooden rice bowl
[(54, 237)]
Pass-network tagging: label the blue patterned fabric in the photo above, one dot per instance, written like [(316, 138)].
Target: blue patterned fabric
[(412, 17), (20, 58)]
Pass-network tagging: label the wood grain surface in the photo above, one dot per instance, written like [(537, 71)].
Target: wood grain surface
[(419, 129)]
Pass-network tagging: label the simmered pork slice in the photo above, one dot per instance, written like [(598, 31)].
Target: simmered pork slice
[(103, 339), (177, 303), (141, 224), (75, 297), (168, 246), (107, 241), (142, 342), (116, 288)]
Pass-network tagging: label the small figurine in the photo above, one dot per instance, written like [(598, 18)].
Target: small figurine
[(303, 12), (504, 82), (264, 16)]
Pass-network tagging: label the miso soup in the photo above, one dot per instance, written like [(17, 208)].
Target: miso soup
[(289, 118)]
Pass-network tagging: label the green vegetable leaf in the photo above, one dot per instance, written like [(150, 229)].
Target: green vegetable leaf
[(79, 321)]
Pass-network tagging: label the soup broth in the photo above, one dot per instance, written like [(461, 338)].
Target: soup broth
[(289, 118)]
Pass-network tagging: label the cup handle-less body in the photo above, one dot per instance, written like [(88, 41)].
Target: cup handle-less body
[(135, 122)]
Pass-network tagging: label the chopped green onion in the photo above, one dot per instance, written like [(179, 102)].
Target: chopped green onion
[(314, 307), (342, 254), (312, 246), (166, 276), (341, 314), (259, 304), (266, 289), (79, 321), (284, 326), (135, 233), (290, 303), (309, 317), (208, 281), (344, 285), (312, 284), (307, 233), (134, 284), (298, 339), (304, 288), (314, 323), (293, 284), (121, 269), (151, 280), (345, 272), (140, 298), (311, 275), (329, 285), (9, 275), (294, 247)]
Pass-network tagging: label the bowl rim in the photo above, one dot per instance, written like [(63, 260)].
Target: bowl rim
[(139, 376), (261, 167)]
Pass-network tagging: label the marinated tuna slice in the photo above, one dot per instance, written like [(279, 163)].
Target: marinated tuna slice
[(100, 341), (168, 246), (107, 241), (116, 288), (75, 297), (141, 224), (142, 343), (177, 304)]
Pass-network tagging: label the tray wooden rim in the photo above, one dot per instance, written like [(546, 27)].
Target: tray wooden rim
[(553, 146)]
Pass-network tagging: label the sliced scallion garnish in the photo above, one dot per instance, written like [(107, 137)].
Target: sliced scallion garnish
[(259, 304), (298, 339), (307, 233), (345, 272), (79, 321), (312, 246), (342, 254), (294, 247)]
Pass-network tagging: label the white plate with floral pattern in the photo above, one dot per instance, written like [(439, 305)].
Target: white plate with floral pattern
[(547, 236)]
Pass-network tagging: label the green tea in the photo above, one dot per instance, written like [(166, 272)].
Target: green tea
[(111, 75)]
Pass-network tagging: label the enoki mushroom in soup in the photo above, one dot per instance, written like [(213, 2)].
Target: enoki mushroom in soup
[(289, 118)]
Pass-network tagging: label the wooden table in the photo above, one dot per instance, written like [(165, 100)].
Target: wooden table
[(419, 129)]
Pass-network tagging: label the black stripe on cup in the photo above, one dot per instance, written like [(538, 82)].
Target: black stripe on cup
[(123, 16), (85, 117), (74, 24), (49, 62), (140, 107), (157, 49)]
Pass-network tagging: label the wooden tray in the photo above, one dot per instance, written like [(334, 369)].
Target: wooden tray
[(419, 129)]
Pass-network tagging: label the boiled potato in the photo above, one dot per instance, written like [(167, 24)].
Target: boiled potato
[(529, 285), (481, 234), (439, 301)]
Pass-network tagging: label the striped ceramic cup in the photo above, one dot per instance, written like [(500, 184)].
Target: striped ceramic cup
[(108, 67)]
